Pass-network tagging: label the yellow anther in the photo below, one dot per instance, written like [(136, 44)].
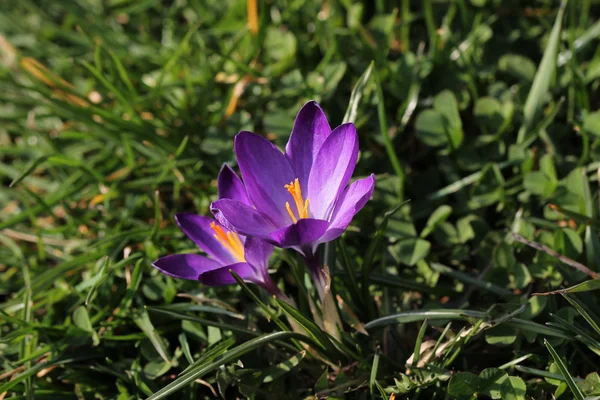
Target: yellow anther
[(289, 210), (230, 240), (301, 204)]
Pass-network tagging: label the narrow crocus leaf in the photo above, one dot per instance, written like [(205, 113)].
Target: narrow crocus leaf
[(315, 333)]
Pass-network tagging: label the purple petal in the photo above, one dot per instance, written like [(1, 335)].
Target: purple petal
[(239, 217), (350, 202), (230, 186), (257, 253), (332, 170), (197, 228), (305, 231), (222, 276), (308, 134), (185, 266), (265, 171)]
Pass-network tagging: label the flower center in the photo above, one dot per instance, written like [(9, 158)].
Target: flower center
[(301, 204), (230, 240)]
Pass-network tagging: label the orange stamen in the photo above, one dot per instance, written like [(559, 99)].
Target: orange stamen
[(230, 240), (301, 204)]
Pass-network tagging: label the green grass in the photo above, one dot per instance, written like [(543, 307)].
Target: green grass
[(483, 115)]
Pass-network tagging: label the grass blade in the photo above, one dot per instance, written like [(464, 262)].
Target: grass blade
[(357, 93), (374, 368), (581, 310), (564, 372), (230, 356), (543, 76), (451, 314)]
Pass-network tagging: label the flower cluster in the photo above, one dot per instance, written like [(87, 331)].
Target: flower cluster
[(298, 199)]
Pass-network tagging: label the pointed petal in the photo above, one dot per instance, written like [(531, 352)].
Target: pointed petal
[(303, 232), (197, 228), (349, 204), (222, 276), (239, 217), (257, 253), (185, 266), (308, 134), (230, 186), (265, 171), (332, 170)]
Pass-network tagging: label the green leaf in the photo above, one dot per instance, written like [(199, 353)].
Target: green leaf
[(519, 389), (98, 279), (373, 248), (262, 305), (489, 114), (591, 123), (410, 251), (449, 314), (385, 136), (430, 128), (417, 349), (357, 94), (445, 103), (28, 170), (81, 319), (277, 371), (492, 383), (374, 368), (313, 331), (461, 276), (142, 320), (564, 372), (592, 284), (517, 66), (228, 357), (592, 243), (583, 312), (541, 82), (440, 215), (463, 384), (540, 184), (501, 336)]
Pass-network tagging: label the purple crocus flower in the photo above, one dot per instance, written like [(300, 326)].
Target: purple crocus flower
[(299, 199), (247, 257)]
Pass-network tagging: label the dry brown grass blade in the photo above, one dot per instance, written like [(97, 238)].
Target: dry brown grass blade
[(565, 260)]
